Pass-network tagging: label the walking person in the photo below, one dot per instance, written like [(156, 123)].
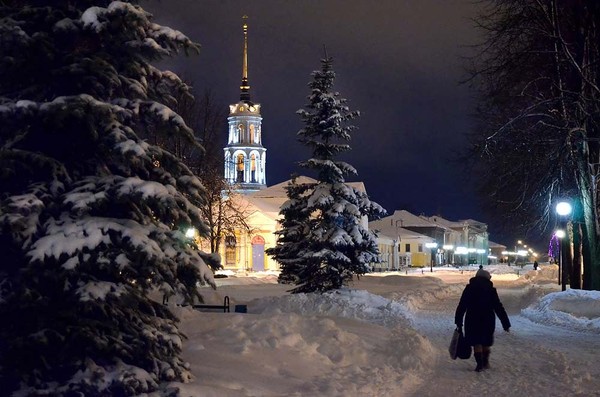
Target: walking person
[(481, 304)]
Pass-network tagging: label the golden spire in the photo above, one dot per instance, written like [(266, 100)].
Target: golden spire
[(245, 95)]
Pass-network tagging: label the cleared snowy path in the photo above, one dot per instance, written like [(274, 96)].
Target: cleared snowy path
[(532, 360)]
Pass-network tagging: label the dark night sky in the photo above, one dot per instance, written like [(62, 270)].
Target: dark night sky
[(397, 61)]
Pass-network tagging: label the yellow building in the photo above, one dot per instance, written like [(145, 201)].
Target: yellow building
[(408, 248)]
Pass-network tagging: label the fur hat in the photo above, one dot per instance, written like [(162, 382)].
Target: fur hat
[(484, 274)]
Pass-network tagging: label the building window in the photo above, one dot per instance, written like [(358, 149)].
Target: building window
[(407, 248), (420, 247), (253, 168), (230, 245), (240, 168)]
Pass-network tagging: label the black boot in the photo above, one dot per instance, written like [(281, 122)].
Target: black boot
[(479, 360), (485, 355)]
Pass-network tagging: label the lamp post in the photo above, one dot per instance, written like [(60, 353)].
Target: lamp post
[(563, 209), (560, 234), (448, 250), (480, 253), (461, 251), (431, 246), (519, 242)]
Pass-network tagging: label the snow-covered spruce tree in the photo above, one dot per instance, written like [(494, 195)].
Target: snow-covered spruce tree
[(91, 215), (323, 241)]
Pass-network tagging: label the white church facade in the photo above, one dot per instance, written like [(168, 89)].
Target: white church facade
[(245, 251)]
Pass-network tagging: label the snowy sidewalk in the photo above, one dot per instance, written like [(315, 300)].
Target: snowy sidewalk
[(386, 336), (532, 360)]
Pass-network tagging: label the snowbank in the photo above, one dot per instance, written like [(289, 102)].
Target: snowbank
[(371, 339)]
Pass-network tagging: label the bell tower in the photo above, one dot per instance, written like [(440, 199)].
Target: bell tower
[(245, 156)]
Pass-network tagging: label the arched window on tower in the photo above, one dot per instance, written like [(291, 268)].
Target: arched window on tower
[(257, 136), (241, 137), (240, 168), (253, 167), (252, 131), (230, 245)]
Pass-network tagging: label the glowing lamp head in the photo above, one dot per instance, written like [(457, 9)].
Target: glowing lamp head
[(190, 233), (560, 233), (563, 208), (462, 250)]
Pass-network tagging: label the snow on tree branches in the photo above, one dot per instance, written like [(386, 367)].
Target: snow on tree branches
[(324, 238), (91, 215)]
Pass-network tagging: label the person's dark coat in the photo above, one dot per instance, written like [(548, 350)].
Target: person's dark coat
[(481, 303)]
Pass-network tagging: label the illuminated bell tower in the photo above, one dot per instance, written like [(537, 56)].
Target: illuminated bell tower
[(245, 157)]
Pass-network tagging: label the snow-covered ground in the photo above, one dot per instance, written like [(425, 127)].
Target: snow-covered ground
[(387, 335)]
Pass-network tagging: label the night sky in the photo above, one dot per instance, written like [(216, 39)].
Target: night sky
[(398, 62)]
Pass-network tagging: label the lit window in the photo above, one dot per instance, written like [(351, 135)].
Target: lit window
[(230, 244)]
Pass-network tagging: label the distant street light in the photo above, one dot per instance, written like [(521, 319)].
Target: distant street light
[(519, 242), (448, 253), (431, 246), (190, 233)]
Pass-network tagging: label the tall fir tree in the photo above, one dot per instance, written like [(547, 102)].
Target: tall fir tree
[(91, 215), (323, 241)]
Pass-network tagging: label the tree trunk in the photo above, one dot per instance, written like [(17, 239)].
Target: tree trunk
[(591, 254), (575, 275)]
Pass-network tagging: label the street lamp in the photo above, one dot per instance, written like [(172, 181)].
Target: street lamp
[(563, 209), (519, 242), (431, 246), (448, 249), (190, 233), (461, 251)]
